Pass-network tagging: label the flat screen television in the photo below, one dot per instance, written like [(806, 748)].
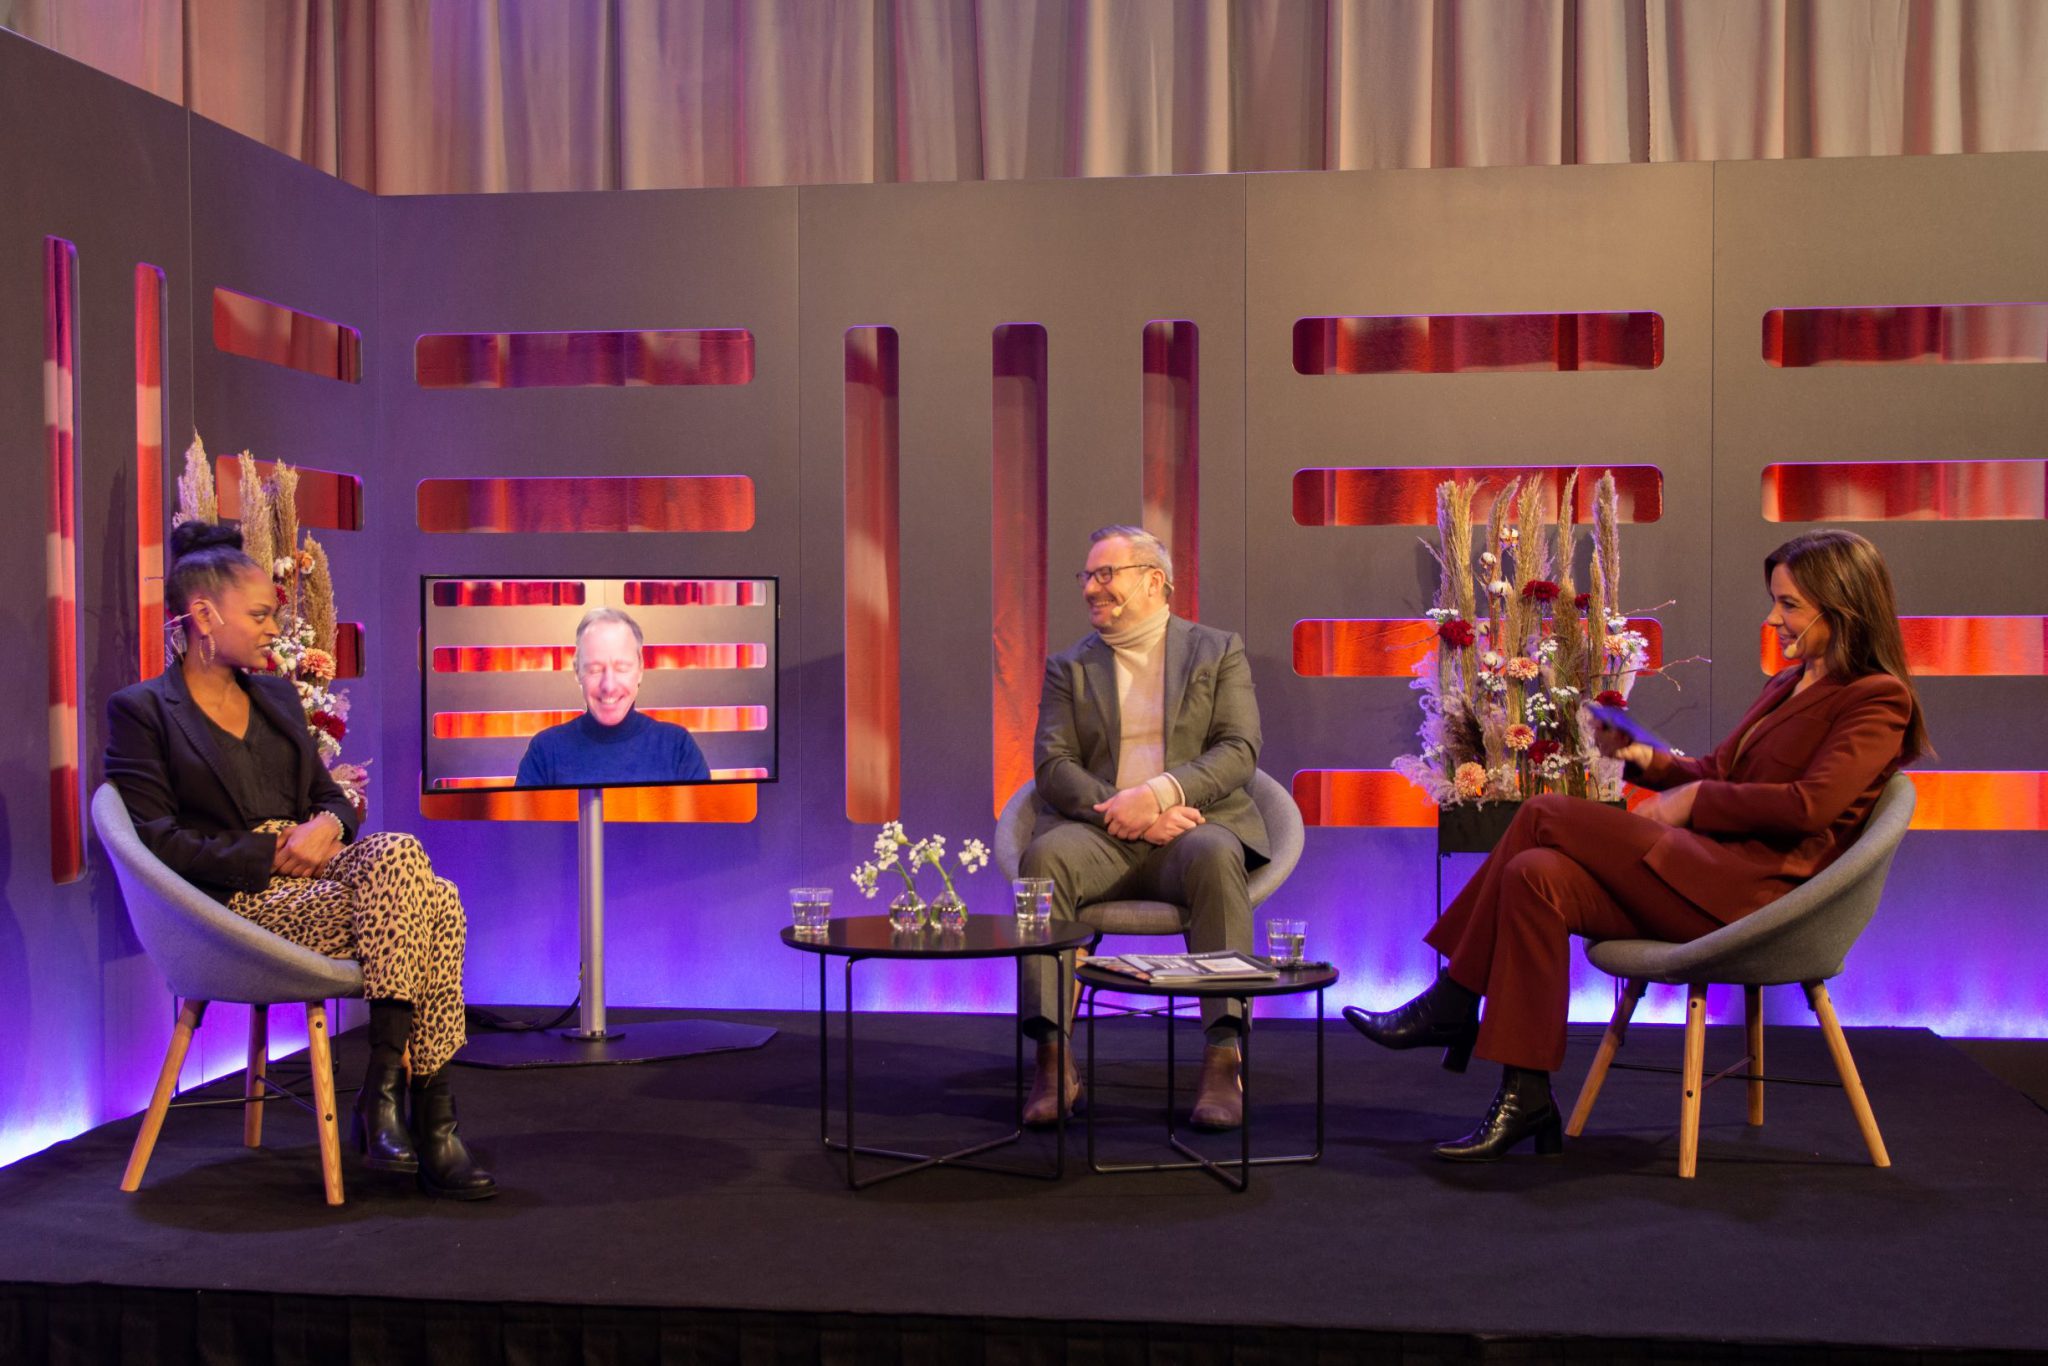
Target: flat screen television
[(691, 697)]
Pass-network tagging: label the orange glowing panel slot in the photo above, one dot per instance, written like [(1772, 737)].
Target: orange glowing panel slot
[(479, 659), (730, 804), (696, 592), (348, 649), (150, 343), (1917, 334), (716, 502), (1478, 343), (1955, 647), (244, 325), (548, 360), (1361, 797), (1406, 496), (1391, 647), (329, 501), (1907, 491), (507, 593), (1979, 801), (499, 725)]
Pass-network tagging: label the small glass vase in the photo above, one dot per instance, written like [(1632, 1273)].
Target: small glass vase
[(907, 912), (949, 913)]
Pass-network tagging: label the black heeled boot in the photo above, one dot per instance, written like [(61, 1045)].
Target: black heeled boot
[(446, 1168), (1446, 1016), (1522, 1108), (382, 1139)]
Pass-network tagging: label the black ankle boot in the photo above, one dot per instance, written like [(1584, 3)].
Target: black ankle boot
[(1446, 1016), (446, 1168), (1522, 1108), (381, 1136)]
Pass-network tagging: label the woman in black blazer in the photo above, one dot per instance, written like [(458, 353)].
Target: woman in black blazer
[(223, 782)]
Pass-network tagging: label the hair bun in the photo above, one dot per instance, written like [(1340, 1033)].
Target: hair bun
[(189, 538)]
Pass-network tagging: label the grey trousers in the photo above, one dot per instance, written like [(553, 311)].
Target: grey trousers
[(1202, 871)]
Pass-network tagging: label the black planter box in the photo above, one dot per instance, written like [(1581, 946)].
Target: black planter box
[(1467, 829)]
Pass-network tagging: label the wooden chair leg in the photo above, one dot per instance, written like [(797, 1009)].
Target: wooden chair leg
[(190, 1013), (1753, 1016), (322, 1058), (1610, 1044), (252, 1086), (1695, 1069), (1852, 1084)]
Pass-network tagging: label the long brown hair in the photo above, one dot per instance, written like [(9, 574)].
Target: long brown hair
[(1844, 577)]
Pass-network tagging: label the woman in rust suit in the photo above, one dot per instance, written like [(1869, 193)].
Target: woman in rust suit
[(1728, 833)]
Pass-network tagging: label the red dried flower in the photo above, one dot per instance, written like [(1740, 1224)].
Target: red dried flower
[(329, 722), (1583, 601), (283, 595), (1543, 749), (1457, 632), (1611, 698), (1542, 590)]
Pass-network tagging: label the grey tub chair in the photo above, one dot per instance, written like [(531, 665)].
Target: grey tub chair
[(208, 953), (1019, 821), (1801, 937)]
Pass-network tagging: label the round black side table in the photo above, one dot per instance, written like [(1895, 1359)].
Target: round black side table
[(857, 938)]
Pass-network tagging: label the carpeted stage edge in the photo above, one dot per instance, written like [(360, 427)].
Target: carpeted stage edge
[(685, 1212)]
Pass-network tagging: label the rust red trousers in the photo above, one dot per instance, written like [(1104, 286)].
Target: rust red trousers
[(1565, 866)]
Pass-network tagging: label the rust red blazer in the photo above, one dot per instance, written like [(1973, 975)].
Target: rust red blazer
[(1784, 794)]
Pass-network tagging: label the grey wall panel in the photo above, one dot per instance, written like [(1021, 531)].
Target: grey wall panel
[(691, 908), (945, 265), (101, 164)]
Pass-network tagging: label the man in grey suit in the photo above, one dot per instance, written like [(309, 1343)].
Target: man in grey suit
[(1148, 736)]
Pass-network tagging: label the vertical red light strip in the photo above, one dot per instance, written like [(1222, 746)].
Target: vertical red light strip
[(872, 532), (149, 469), (60, 423), (1172, 453), (1017, 520)]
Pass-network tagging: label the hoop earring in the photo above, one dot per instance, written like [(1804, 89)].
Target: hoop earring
[(212, 650)]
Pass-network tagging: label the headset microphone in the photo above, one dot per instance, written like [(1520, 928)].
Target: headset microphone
[(1116, 611), (1792, 651)]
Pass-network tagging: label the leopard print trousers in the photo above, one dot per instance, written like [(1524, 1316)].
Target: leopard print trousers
[(379, 901)]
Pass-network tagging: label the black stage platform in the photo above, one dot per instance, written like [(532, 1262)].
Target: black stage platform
[(686, 1212)]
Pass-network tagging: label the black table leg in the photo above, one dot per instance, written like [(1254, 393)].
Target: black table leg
[(917, 1161)]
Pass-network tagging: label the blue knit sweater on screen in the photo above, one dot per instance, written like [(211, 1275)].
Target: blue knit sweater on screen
[(585, 753)]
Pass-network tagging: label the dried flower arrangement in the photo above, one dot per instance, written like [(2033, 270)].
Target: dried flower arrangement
[(304, 649), (1519, 651)]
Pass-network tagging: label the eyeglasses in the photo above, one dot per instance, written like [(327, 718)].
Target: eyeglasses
[(1101, 577)]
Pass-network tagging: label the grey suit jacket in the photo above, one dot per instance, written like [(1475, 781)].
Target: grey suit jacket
[(1212, 731)]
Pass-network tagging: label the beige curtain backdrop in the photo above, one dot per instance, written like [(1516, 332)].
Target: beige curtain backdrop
[(431, 96)]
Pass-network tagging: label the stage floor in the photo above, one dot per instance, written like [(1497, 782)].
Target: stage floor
[(701, 1185)]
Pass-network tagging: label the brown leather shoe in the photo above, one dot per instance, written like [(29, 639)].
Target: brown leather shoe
[(1219, 1102), (1055, 1074)]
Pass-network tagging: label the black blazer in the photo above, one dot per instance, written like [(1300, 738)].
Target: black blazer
[(163, 758)]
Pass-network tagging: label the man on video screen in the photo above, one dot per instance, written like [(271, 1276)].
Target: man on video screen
[(612, 743)]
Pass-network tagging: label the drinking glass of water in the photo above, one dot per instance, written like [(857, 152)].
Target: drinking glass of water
[(1034, 902), (811, 909), (1285, 941)]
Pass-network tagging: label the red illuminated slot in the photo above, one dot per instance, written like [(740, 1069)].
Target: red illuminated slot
[(1979, 801), (1376, 797), (348, 649), (1020, 377), (508, 593), (1917, 334), (1477, 343), (500, 725), (475, 659), (506, 781), (731, 803), (326, 500), (247, 326), (696, 593), (717, 502), (1907, 491), (1379, 647), (1955, 647), (1406, 496), (539, 360), (871, 530)]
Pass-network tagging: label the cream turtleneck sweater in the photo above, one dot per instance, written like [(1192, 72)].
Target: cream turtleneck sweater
[(1140, 650)]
